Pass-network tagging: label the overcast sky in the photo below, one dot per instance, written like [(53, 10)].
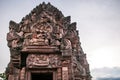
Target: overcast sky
[(98, 22)]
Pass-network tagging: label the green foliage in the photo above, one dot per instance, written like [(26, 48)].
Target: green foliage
[(3, 76)]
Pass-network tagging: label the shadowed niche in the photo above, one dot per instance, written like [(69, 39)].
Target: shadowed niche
[(42, 76)]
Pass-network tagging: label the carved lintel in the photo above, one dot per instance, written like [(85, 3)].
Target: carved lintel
[(41, 49), (42, 60)]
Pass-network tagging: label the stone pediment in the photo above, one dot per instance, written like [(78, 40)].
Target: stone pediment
[(43, 30), (44, 26)]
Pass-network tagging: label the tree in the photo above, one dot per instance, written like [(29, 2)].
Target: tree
[(3, 76)]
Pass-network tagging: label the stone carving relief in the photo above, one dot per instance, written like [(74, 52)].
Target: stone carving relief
[(42, 60), (41, 34), (10, 71), (66, 44), (59, 73), (22, 74), (46, 28), (37, 60), (78, 69), (65, 73), (15, 39)]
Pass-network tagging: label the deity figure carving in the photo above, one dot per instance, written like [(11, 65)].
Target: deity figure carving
[(41, 34)]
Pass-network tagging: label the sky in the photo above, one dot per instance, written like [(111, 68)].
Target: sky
[(98, 22)]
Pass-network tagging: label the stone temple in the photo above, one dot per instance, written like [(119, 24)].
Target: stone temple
[(45, 46)]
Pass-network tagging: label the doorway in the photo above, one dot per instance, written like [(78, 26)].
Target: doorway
[(42, 76)]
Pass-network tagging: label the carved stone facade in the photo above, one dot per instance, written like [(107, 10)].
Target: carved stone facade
[(46, 45)]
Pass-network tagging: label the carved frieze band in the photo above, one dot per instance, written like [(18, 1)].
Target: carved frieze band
[(42, 60)]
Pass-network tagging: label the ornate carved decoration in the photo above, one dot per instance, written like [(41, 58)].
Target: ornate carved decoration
[(46, 39), (50, 61)]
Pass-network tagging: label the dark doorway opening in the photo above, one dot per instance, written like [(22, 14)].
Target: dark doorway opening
[(42, 76)]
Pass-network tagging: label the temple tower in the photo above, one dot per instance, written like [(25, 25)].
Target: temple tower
[(45, 46)]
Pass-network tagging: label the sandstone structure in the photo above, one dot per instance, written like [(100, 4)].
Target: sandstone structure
[(45, 46)]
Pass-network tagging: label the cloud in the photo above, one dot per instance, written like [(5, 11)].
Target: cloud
[(109, 78), (106, 73)]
